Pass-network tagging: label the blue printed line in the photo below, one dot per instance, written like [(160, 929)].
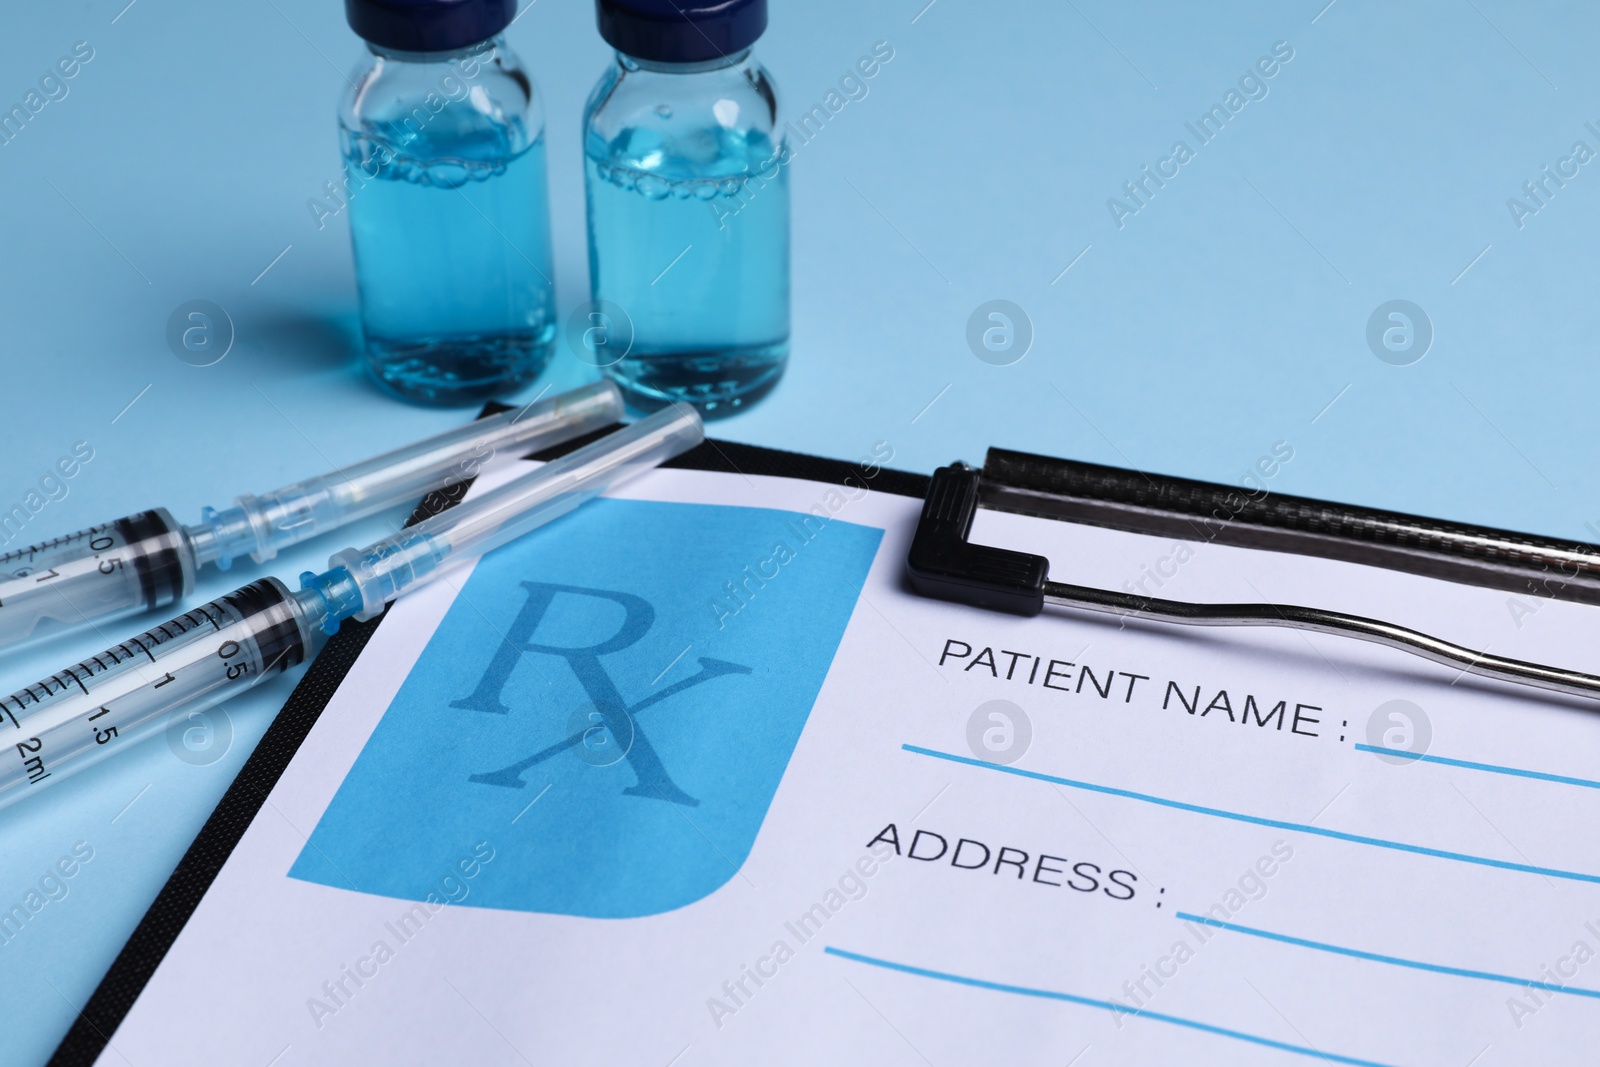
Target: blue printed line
[(1494, 768), (1459, 972), (1107, 1005), (1256, 820)]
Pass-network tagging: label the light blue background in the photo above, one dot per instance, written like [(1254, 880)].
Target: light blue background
[(1224, 317), (582, 845)]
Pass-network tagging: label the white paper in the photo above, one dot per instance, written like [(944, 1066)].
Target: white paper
[(937, 964)]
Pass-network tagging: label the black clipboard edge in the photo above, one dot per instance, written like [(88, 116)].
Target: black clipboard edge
[(114, 997)]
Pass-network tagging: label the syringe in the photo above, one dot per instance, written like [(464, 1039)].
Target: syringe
[(78, 716), (148, 560)]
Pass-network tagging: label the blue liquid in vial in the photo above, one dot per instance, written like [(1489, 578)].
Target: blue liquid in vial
[(453, 262), (699, 264)]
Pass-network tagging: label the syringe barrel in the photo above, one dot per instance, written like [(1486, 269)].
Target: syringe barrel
[(105, 572), (78, 716), (263, 525), (480, 524)]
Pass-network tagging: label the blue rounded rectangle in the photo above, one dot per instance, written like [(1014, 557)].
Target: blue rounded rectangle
[(611, 702)]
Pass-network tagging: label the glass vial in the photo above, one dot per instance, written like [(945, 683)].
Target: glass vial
[(688, 206), (443, 138)]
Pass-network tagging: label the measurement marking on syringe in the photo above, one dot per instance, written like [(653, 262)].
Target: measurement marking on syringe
[(32, 765), (140, 644), (214, 624), (10, 716), (103, 710), (69, 672)]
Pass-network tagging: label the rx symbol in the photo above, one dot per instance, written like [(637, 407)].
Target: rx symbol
[(617, 715)]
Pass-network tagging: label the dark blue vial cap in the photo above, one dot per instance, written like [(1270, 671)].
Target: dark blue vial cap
[(681, 31), (428, 25)]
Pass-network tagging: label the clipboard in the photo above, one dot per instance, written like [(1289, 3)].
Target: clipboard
[(943, 563), (114, 997)]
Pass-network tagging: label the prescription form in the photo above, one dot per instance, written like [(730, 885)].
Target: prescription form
[(847, 824)]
